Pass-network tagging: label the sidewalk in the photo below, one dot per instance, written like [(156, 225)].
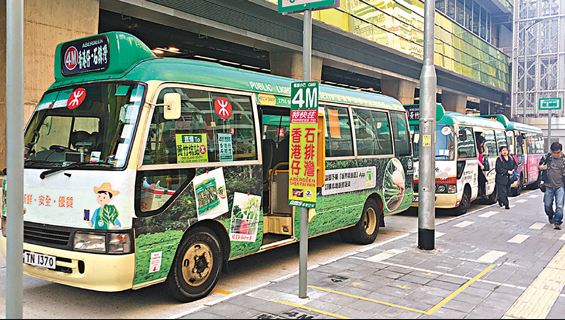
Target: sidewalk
[(490, 263)]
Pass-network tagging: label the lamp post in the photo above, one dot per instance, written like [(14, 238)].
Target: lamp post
[(534, 22)]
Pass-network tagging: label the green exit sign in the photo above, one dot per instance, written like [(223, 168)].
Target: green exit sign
[(549, 104)]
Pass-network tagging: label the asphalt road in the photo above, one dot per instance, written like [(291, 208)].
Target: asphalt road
[(43, 299)]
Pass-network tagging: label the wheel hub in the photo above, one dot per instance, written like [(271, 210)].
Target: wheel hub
[(370, 221), (197, 264)]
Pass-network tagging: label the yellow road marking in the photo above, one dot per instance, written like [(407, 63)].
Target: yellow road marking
[(355, 284), (312, 309), (367, 299), (403, 287), (458, 291), (429, 312), (221, 291)]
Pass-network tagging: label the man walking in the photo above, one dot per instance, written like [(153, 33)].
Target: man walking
[(554, 168)]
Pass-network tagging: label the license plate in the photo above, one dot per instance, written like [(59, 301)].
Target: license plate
[(39, 260), (414, 198)]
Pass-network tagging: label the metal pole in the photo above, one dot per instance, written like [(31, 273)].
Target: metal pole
[(306, 76), (548, 130), (428, 85), (15, 156), (525, 73)]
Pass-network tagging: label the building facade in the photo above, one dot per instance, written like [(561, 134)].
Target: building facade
[(538, 62)]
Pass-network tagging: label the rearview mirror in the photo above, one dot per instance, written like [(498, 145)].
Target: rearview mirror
[(172, 106), (462, 135)]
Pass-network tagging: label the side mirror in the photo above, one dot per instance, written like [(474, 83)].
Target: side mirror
[(462, 135), (172, 106)]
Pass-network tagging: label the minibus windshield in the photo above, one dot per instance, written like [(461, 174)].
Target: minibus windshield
[(91, 123), (445, 145)]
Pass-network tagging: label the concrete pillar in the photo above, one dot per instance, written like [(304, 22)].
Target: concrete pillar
[(289, 64), (454, 102), (46, 23), (401, 90)]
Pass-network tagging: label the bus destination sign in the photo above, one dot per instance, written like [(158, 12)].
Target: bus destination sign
[(85, 55)]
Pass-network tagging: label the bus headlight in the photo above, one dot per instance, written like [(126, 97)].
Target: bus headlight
[(440, 188), (90, 242), (119, 243)]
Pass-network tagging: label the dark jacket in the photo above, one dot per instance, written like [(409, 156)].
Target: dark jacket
[(545, 160), (502, 168)]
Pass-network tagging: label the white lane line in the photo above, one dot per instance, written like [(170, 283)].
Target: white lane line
[(562, 237), (534, 196), (384, 255), (439, 234), (537, 226), (518, 238), (488, 214), (521, 201), (464, 224), (491, 257)]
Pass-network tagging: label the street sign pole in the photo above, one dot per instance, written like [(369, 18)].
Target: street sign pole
[(14, 157), (306, 75), (426, 185), (549, 104)]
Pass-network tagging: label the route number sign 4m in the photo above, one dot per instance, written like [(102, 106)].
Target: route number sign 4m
[(292, 6), (303, 144)]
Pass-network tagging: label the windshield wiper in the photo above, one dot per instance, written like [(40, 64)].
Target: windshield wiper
[(72, 166)]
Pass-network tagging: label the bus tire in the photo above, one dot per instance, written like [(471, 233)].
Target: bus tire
[(367, 229), (493, 196), (465, 202), (196, 266)]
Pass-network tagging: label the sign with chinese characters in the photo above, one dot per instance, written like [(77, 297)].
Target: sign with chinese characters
[(413, 112), (303, 148), (85, 55), (291, 6), (226, 147), (191, 148), (349, 180), (549, 104)]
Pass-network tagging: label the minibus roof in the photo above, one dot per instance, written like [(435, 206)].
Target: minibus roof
[(511, 125), (452, 118), (128, 58)]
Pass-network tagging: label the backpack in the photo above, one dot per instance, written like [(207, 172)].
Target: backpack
[(485, 163)]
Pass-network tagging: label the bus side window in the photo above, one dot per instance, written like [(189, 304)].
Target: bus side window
[(339, 142), (490, 143), (372, 132), (466, 148), (401, 134), (213, 127)]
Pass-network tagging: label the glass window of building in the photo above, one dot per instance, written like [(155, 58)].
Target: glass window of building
[(460, 12), (451, 9), (440, 5), (476, 17), (468, 14), (483, 23)]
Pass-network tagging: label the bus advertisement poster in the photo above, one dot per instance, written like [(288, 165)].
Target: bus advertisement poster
[(210, 194), (191, 148), (245, 215), (303, 148)]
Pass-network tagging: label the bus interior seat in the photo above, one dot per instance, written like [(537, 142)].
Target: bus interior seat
[(79, 136)]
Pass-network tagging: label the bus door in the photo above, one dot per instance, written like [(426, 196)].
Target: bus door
[(275, 152), (467, 164), (491, 151)]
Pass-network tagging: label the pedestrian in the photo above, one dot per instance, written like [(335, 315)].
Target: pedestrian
[(553, 169), (482, 178), (505, 166)]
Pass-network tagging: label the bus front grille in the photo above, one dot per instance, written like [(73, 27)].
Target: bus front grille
[(47, 235)]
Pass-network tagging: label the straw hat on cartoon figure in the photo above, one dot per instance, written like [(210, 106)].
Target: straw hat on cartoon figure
[(107, 187)]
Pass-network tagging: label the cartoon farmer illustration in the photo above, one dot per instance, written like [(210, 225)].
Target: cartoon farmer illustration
[(107, 214)]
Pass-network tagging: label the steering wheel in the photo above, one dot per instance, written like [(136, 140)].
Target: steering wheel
[(59, 148)]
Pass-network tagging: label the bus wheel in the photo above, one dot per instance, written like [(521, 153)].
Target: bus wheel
[(196, 266), (464, 204), (493, 196), (367, 229)]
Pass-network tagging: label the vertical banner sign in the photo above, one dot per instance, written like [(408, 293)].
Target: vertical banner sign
[(303, 148)]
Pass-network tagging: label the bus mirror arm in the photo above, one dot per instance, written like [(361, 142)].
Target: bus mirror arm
[(172, 106)]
